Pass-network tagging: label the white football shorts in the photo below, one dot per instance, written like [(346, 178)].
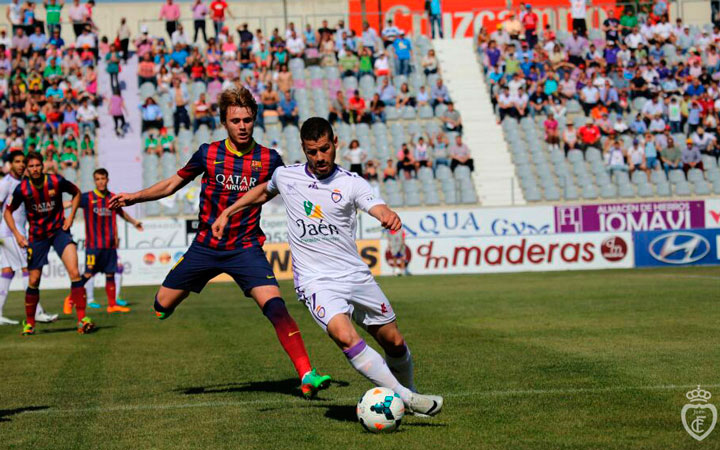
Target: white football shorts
[(361, 299), (11, 255)]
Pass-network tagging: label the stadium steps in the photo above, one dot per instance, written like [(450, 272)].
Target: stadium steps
[(121, 156), (494, 178)]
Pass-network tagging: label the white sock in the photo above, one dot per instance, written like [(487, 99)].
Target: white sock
[(90, 290), (4, 289), (402, 367), (118, 281), (370, 364), (39, 311)]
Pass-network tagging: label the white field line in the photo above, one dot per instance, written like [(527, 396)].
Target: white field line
[(298, 401)]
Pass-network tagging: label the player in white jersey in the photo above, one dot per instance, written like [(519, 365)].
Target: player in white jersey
[(12, 257), (321, 202)]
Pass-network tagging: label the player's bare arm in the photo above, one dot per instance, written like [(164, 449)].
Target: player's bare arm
[(132, 221), (387, 217), (159, 190), (75, 204), (21, 240), (255, 196)]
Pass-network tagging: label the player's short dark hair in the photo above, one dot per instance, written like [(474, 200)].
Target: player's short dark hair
[(101, 171), (236, 96), (14, 154), (316, 127), (35, 155)]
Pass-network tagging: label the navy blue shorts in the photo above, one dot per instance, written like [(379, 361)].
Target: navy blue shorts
[(37, 253), (101, 260), (248, 267)]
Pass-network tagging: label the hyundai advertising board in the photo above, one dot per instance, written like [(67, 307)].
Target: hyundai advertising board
[(672, 248)]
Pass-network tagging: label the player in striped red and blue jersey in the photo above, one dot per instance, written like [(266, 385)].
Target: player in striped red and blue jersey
[(229, 169), (42, 196), (101, 239)]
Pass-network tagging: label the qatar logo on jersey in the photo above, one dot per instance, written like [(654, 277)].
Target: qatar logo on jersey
[(336, 196), (236, 182), (103, 212), (44, 207)]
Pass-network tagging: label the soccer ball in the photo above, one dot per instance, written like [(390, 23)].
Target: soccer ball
[(380, 410)]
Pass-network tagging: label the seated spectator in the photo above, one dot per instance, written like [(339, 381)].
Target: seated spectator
[(87, 146), (389, 172), (430, 63), (506, 105), (377, 109), (51, 160), (422, 98), (421, 153), (166, 143), (521, 101), (620, 127), (705, 142), (180, 99), (355, 156), (349, 63), (691, 157), (552, 136), (406, 162), (146, 71), (404, 98), (202, 112), (671, 156), (365, 66), (570, 138), (651, 153), (69, 121), (451, 119), (387, 92), (589, 97), (284, 79), (615, 156), (606, 127), (358, 109), (440, 151), (371, 171), (87, 117), (460, 155), (288, 111), (638, 125), (151, 115), (589, 135), (538, 101), (636, 156), (295, 45), (270, 98), (439, 93), (152, 144), (68, 158), (382, 65), (339, 109)]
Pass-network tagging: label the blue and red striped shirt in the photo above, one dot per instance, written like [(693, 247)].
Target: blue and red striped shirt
[(100, 220), (227, 175), (43, 204)]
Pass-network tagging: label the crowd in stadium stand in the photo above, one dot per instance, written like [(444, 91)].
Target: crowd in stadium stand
[(48, 87), (648, 87)]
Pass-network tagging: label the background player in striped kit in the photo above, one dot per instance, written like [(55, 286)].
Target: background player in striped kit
[(101, 241), (230, 168), (12, 257), (42, 196)]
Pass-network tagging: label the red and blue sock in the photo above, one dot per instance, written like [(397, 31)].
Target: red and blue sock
[(32, 298), (79, 297), (110, 289)]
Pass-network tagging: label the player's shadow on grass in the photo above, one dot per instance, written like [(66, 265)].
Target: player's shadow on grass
[(68, 329), (4, 413), (287, 386), (341, 413)]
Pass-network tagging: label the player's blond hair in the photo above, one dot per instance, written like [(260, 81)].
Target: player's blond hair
[(236, 96)]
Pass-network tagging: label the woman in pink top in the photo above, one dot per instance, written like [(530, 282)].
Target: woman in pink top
[(551, 132), (116, 108)]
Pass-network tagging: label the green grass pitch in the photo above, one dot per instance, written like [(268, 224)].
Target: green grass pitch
[(561, 360)]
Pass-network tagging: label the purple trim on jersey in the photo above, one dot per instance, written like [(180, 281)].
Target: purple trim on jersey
[(307, 171), (7, 275), (355, 350)]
